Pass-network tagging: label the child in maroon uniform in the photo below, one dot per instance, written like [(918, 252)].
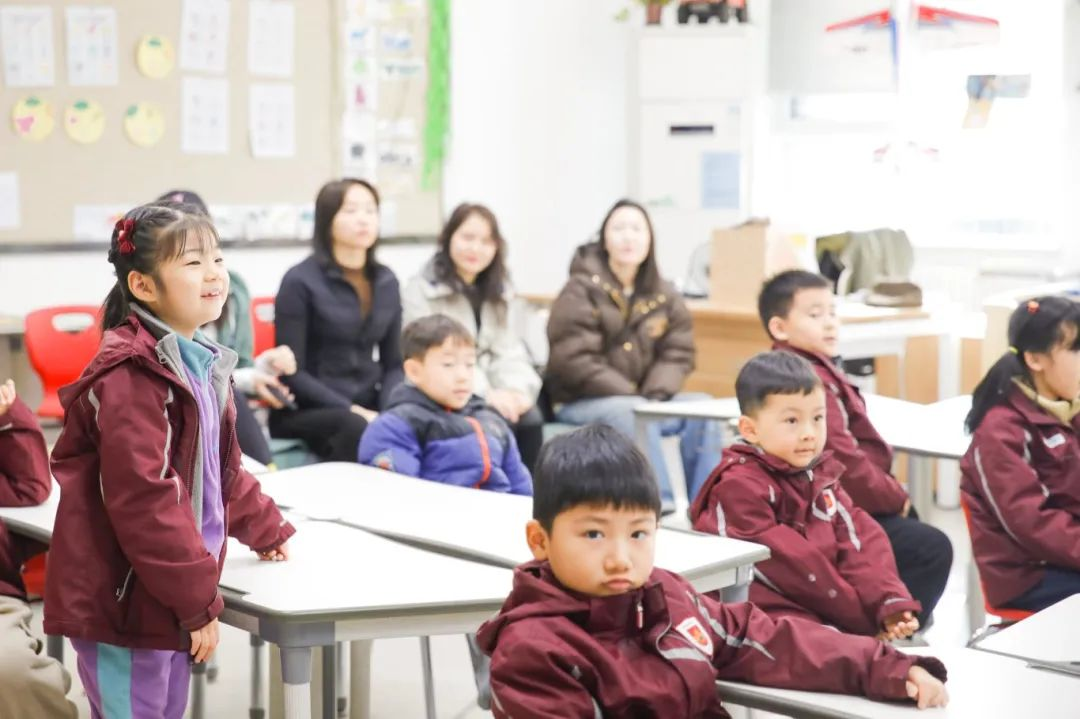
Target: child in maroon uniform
[(799, 312), (831, 563), (1021, 475), (592, 629)]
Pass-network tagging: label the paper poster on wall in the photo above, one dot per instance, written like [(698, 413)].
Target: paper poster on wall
[(271, 38), (721, 180), (155, 56), (402, 156), (33, 118), (96, 222), (92, 55), (144, 124), (204, 35), (402, 129), (272, 120), (363, 97), (9, 201), (205, 116), (384, 10), (84, 121), (406, 69), (396, 41), (26, 38)]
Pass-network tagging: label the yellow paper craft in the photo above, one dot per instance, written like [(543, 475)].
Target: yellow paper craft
[(32, 118), (155, 56), (84, 121), (144, 124)]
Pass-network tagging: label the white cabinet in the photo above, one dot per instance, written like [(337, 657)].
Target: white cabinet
[(693, 118)]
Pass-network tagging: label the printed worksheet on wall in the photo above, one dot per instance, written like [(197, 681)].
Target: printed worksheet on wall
[(271, 38), (26, 38), (205, 116), (92, 45), (272, 120), (204, 35)]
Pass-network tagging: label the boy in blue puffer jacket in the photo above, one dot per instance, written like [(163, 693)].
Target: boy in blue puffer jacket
[(434, 427)]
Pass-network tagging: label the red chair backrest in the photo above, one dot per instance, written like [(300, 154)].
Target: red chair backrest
[(262, 323), (1009, 615), (60, 342)]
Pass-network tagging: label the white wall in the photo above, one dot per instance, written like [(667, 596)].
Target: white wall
[(538, 123)]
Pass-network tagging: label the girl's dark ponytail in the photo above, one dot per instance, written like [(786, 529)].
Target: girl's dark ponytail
[(1037, 325), (116, 308)]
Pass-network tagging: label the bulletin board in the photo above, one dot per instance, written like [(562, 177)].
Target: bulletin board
[(57, 174)]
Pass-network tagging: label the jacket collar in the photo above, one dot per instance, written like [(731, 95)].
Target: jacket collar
[(831, 364), (824, 465), (408, 393), (1032, 412), (435, 289)]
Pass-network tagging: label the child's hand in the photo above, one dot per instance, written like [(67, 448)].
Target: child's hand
[(925, 689), (204, 641), (7, 396), (899, 626), (279, 554)]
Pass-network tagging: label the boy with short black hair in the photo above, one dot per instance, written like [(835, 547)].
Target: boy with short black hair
[(434, 427), (32, 684), (830, 562), (798, 310), (591, 628)]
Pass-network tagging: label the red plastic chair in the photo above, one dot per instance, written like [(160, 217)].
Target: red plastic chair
[(33, 575), (262, 323), (1007, 616), (60, 342)]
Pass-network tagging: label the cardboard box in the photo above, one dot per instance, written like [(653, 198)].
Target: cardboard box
[(742, 258)]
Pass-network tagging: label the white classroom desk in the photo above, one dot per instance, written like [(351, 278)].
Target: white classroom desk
[(1052, 635), (924, 431), (385, 589), (479, 525), (980, 684)]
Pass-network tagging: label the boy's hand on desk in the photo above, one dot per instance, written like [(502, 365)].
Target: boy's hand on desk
[(899, 626), (280, 554), (7, 396), (204, 641), (925, 689)]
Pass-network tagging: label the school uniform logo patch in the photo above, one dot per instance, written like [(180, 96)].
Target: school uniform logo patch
[(1056, 441), (691, 629), (384, 460), (829, 500)]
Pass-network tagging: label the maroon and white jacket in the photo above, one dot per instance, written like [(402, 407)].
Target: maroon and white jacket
[(658, 651), (831, 562), (1021, 489), (24, 482), (853, 440), (127, 563)]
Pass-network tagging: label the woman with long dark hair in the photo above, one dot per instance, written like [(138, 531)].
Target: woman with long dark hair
[(340, 312)]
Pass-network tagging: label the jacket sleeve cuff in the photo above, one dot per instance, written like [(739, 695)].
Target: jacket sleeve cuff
[(904, 605), (285, 531), (888, 675), (206, 616)]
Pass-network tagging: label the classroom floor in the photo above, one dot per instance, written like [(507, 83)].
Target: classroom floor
[(396, 687)]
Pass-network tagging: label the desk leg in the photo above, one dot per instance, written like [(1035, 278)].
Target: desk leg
[(360, 681), (429, 680), (54, 647), (296, 681), (921, 485), (198, 690), (329, 681), (258, 651), (740, 590), (342, 678)]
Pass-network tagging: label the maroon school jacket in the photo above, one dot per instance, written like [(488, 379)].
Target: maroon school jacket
[(831, 562), (1021, 487), (657, 651), (127, 563), (853, 440), (24, 482)]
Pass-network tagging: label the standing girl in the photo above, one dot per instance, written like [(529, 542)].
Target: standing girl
[(468, 281), (1021, 475), (150, 474)]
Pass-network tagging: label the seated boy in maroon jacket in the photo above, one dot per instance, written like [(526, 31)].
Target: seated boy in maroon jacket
[(831, 563), (592, 629), (799, 313), (31, 683)]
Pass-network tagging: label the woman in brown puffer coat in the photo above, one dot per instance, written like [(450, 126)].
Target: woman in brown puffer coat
[(621, 335)]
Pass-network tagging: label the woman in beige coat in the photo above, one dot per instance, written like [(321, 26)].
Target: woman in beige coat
[(468, 281)]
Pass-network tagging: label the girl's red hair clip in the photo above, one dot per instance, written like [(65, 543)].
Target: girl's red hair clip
[(1032, 306), (125, 236)]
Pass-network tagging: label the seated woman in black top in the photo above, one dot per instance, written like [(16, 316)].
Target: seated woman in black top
[(340, 311)]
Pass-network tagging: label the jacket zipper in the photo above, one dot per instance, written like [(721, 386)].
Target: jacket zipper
[(124, 587)]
